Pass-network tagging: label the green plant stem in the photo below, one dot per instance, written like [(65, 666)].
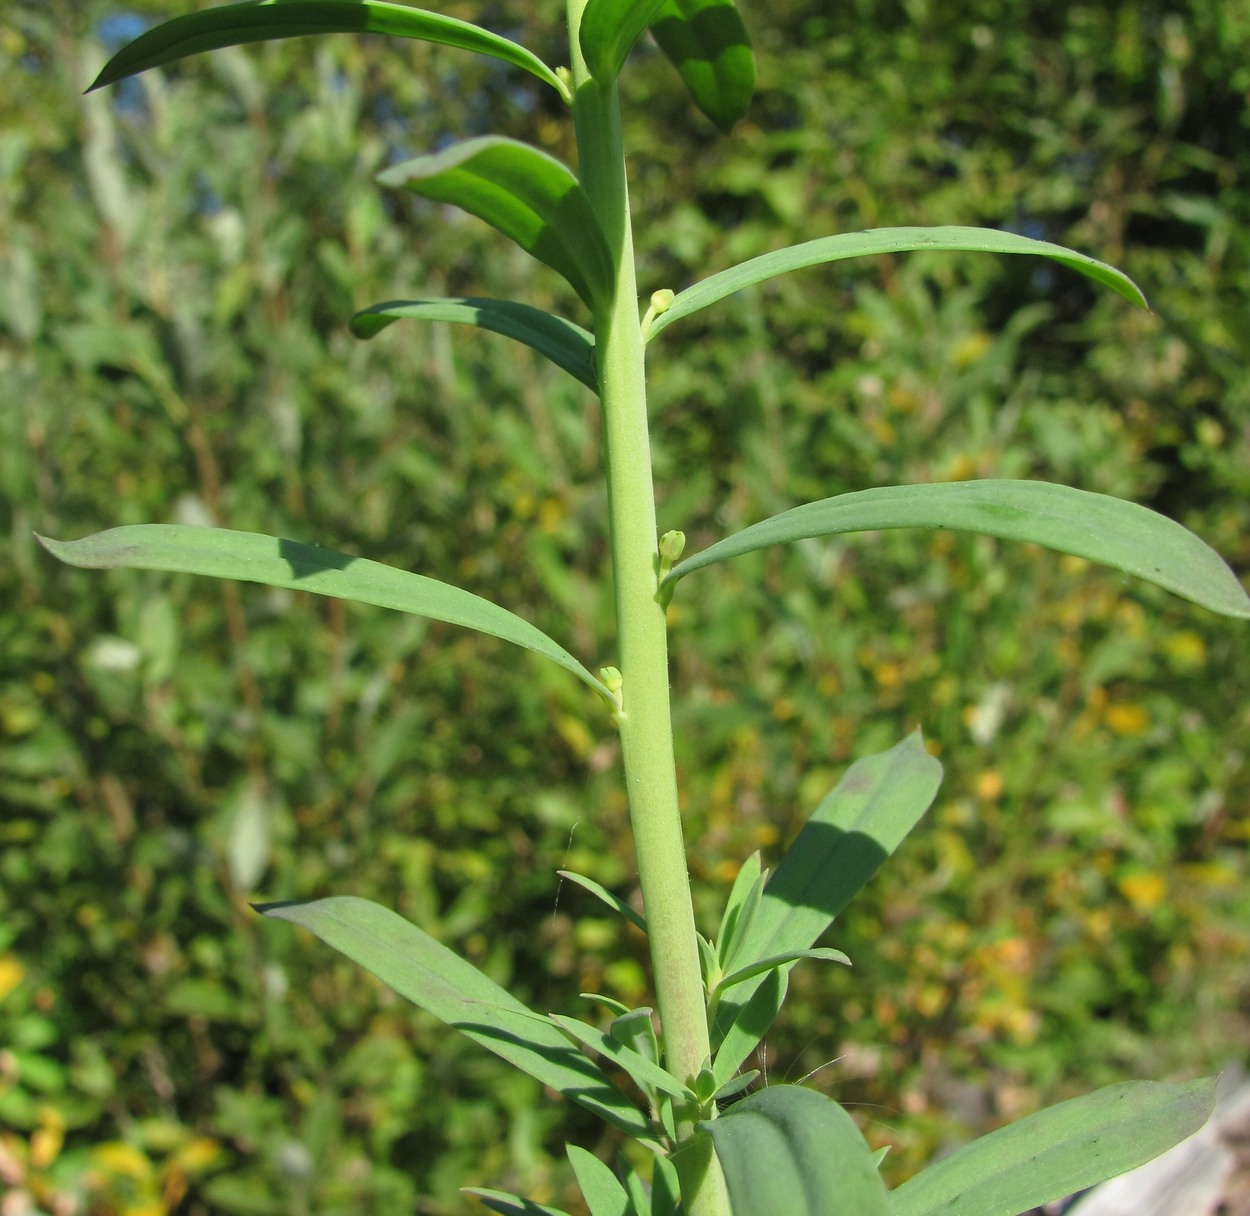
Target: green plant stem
[(645, 720)]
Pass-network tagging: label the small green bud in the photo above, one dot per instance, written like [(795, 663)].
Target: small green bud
[(612, 679), (672, 545), (705, 1086), (661, 301)]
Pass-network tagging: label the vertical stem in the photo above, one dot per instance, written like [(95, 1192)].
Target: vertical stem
[(645, 721)]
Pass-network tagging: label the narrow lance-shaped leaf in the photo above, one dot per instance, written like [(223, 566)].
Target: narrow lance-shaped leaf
[(778, 963), (615, 1007), (862, 820), (665, 1190), (637, 1031), (883, 240), (735, 1085), (741, 1024), (608, 31), (639, 1199), (709, 960), (238, 24), (1121, 534), (789, 1151), (1058, 1151), (617, 904), (511, 1205), (821, 953), (567, 345), (707, 43), (600, 1187), (525, 194), (744, 895), (645, 1072), (454, 991), (255, 558)]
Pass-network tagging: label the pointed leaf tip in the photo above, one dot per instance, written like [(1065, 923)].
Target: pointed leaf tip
[(1058, 1151), (507, 1204), (1097, 527), (953, 238)]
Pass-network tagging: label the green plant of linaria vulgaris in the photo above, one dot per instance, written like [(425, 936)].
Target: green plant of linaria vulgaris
[(708, 1149)]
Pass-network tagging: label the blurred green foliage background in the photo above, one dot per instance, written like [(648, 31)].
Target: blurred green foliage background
[(178, 259)]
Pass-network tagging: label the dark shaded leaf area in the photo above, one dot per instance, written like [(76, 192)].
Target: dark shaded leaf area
[(182, 254)]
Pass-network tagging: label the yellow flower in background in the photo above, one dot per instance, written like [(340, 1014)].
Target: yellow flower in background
[(970, 349), (576, 735), (764, 834), (1186, 649), (193, 1158), (119, 1158), (551, 515), (1144, 891), (961, 468), (12, 973), (47, 1139), (887, 674), (197, 1154), (1126, 718), (126, 1180)]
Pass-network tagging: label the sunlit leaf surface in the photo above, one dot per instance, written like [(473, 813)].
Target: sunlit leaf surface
[(885, 240), (255, 558), (1098, 527), (237, 24)]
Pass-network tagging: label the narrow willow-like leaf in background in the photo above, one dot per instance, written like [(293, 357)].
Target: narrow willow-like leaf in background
[(788, 1151), (608, 31), (857, 825), (883, 240), (511, 1205), (454, 991), (602, 1190), (237, 24), (525, 194), (642, 1070), (707, 43), (254, 558), (1121, 534), (1058, 1151), (617, 905), (567, 345)]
